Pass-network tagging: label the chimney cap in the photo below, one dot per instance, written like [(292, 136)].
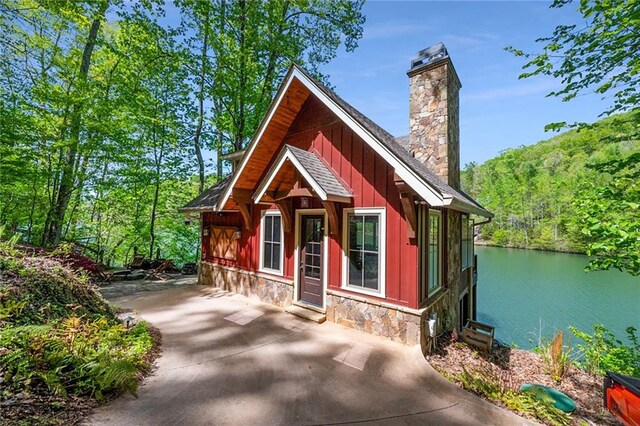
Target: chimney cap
[(430, 55)]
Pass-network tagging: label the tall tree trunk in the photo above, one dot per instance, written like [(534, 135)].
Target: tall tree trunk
[(242, 77), (158, 157), (217, 104), (203, 68), (152, 224), (81, 174), (67, 179)]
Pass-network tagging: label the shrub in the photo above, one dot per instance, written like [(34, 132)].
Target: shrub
[(74, 356), (483, 381), (58, 336), (34, 290), (602, 351), (557, 357)]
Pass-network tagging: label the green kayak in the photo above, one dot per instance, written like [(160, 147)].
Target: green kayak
[(560, 400)]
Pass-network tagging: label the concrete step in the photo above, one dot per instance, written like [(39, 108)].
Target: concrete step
[(305, 313)]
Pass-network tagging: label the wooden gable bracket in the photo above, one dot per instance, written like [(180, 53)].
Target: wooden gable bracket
[(242, 197), (332, 214), (284, 205), (407, 199)]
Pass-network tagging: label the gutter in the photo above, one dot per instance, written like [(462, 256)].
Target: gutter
[(484, 222), (467, 208)]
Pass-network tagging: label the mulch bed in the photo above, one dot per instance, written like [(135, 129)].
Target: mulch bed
[(516, 366), (45, 409)]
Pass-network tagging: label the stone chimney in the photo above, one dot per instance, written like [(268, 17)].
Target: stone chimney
[(434, 130)]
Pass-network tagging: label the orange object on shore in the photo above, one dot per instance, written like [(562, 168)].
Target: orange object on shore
[(622, 397)]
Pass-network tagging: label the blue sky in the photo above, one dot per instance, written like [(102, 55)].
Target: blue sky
[(497, 111)]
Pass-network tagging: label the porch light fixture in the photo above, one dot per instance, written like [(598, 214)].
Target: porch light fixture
[(205, 232), (304, 202), (238, 234), (128, 320)]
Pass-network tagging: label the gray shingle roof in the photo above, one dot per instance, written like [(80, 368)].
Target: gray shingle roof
[(209, 198), (397, 148), (319, 171)]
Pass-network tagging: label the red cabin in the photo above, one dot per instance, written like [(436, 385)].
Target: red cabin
[(326, 211)]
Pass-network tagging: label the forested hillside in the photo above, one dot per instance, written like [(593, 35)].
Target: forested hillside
[(532, 190), (114, 114)]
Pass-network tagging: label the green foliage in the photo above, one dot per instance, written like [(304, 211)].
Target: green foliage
[(483, 381), (59, 336), (36, 290), (598, 55), (534, 191), (609, 211), (557, 357), (106, 110), (74, 356), (602, 351)]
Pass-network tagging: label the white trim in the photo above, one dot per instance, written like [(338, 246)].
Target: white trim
[(430, 194), (278, 272), (254, 142), (296, 254), (382, 250), (426, 191), (283, 156)]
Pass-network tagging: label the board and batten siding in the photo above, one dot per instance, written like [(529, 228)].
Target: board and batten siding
[(371, 179)]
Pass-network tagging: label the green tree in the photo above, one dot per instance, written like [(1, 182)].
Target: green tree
[(601, 55)]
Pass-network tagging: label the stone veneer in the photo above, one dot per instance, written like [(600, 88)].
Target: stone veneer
[(393, 322), (379, 318), (274, 290), (434, 136)]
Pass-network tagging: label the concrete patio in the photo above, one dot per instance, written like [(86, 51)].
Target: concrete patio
[(229, 360)]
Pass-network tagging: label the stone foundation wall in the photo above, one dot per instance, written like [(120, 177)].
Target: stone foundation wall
[(393, 322), (267, 289), (382, 319)]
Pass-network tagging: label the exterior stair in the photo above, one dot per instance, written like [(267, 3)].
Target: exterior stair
[(307, 313)]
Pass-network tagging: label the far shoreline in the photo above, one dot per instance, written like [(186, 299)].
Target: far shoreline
[(485, 243)]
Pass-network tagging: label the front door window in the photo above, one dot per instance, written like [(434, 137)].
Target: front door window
[(311, 236)]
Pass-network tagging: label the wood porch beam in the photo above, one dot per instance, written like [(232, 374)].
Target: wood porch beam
[(245, 212), (407, 199), (242, 198), (295, 192), (242, 194), (285, 209), (332, 214)]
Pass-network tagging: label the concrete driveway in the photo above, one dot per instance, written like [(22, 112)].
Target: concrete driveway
[(229, 360)]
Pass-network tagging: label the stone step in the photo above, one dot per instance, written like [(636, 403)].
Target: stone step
[(305, 313)]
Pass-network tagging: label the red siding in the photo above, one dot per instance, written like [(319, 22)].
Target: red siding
[(369, 177)]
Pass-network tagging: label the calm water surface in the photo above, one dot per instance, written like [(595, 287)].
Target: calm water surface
[(521, 290)]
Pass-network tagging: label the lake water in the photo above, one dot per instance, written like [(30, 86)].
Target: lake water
[(521, 290)]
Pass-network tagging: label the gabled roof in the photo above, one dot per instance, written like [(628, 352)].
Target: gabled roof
[(422, 180), (207, 200), (450, 197), (314, 170)]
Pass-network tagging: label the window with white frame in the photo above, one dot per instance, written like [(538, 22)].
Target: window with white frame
[(364, 250), (435, 250), (467, 242), (271, 242)]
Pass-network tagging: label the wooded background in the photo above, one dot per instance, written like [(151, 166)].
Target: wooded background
[(112, 115)]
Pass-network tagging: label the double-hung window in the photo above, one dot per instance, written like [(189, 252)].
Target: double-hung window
[(271, 242), (467, 243), (435, 251), (364, 238)]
